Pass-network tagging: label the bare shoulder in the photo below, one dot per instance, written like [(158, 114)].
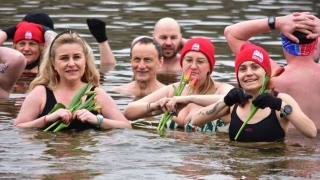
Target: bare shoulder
[(37, 95), (122, 89), (38, 90), (224, 88)]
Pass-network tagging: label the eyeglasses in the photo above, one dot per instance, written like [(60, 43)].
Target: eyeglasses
[(60, 34), (189, 61)]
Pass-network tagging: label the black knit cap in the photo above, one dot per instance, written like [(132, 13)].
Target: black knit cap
[(302, 38), (39, 18)]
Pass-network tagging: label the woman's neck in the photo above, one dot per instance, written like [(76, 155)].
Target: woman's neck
[(70, 85)]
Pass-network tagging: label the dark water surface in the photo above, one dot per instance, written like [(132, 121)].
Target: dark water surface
[(143, 153)]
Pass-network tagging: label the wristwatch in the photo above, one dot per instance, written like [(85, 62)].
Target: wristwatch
[(272, 22), (287, 109), (100, 119)]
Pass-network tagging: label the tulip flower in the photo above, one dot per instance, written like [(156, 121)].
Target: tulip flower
[(253, 108), (194, 82), (177, 92), (187, 76), (76, 104)]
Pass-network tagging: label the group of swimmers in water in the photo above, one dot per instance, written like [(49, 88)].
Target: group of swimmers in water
[(64, 63)]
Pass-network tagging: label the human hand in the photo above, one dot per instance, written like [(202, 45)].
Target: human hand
[(308, 24), (10, 31), (267, 100), (85, 116), (97, 29), (176, 103), (63, 114), (236, 95)]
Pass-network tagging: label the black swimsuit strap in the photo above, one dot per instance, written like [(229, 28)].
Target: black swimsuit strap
[(33, 64)]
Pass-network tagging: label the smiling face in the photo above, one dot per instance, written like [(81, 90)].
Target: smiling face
[(198, 63), (145, 61), (70, 61), (251, 76), (30, 49)]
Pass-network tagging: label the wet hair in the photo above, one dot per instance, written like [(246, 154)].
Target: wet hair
[(148, 40), (46, 75)]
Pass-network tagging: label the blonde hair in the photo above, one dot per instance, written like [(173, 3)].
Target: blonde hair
[(46, 74), (207, 87)]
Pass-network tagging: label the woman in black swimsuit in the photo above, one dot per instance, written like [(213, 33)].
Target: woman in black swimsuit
[(276, 110), (66, 68)]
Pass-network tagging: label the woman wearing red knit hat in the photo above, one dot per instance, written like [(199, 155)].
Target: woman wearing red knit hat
[(197, 57), (28, 39), (274, 112)]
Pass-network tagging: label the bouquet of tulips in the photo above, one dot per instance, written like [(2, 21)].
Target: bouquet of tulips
[(177, 92), (75, 104), (253, 108)]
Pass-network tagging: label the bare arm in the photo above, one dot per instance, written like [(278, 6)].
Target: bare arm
[(240, 33), (209, 113), (12, 64), (33, 106), (106, 55), (299, 120), (107, 59), (110, 111), (49, 37), (31, 109), (139, 109), (3, 37)]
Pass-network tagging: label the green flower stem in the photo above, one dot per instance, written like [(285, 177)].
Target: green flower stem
[(254, 109), (75, 104), (177, 92), (52, 125)]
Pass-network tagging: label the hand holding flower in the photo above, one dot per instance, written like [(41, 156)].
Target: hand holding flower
[(75, 104), (85, 116), (184, 81)]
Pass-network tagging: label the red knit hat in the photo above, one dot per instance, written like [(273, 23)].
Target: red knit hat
[(200, 45), (251, 52), (28, 31)]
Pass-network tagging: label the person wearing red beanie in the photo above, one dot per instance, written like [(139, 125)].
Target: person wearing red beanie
[(28, 39), (251, 52), (255, 116), (299, 44), (270, 121), (197, 59)]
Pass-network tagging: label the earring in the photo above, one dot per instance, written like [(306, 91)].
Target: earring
[(85, 71), (56, 74)]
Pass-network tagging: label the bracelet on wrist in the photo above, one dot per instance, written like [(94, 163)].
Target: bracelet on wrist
[(149, 109), (100, 119)]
